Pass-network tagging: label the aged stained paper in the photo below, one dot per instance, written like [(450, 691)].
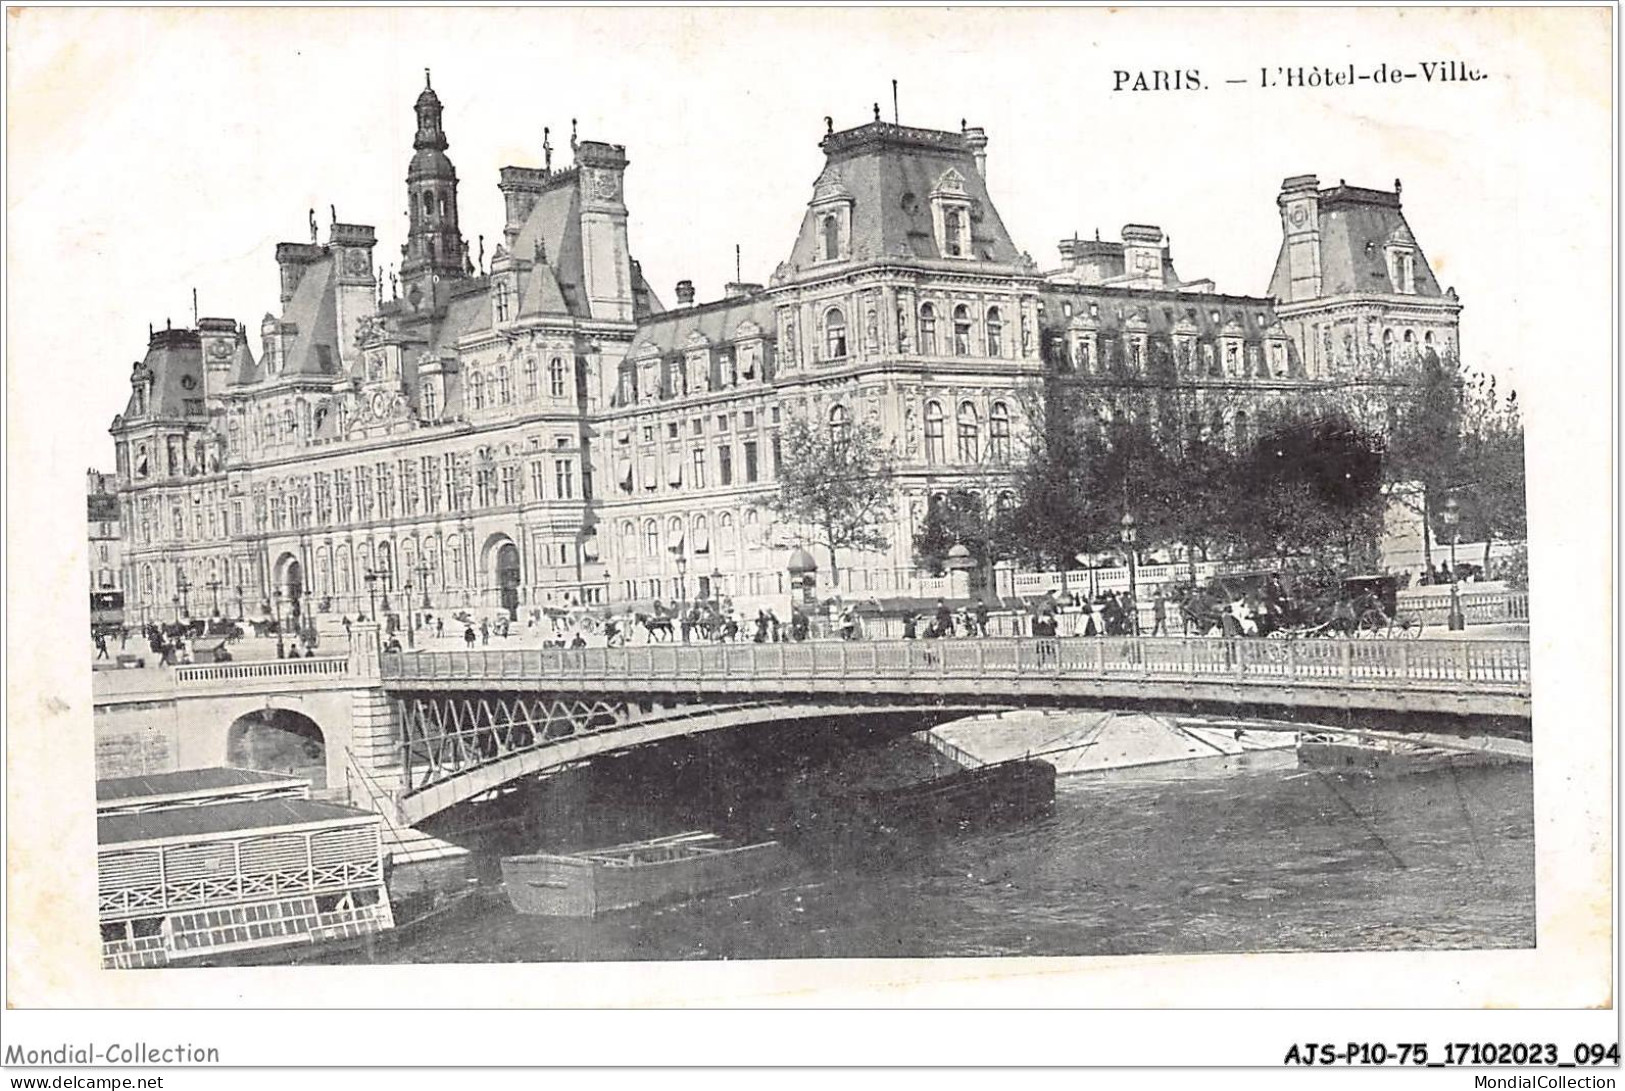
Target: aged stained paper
[(137, 175)]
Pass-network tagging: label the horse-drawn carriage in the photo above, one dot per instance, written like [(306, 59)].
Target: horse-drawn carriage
[(1292, 604)]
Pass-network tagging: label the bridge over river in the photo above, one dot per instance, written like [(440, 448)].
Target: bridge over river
[(415, 733), (473, 720)]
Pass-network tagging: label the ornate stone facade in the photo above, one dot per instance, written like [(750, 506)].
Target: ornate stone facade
[(544, 431)]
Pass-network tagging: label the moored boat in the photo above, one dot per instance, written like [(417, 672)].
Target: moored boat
[(1335, 752), (1005, 791), (665, 869)]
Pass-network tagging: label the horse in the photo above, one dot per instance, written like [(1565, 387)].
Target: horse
[(657, 627)]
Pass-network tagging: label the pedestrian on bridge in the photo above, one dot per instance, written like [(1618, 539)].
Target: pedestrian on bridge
[(468, 636), (101, 646), (1159, 614), (945, 619)]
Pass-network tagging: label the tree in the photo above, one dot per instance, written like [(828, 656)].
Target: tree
[(1310, 486), (957, 517), (837, 483), (1489, 483)]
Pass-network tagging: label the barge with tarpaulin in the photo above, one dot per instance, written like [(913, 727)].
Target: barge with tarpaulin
[(677, 868), (220, 864)]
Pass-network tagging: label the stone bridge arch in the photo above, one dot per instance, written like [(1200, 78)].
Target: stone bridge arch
[(279, 740)]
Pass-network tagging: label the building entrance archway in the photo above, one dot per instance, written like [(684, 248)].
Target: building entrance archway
[(509, 576), (289, 578)]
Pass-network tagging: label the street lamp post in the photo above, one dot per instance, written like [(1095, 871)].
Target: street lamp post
[(1452, 521), (214, 589), (1130, 533), (371, 579), (182, 586), (423, 582), (276, 606), (411, 622), (682, 591)]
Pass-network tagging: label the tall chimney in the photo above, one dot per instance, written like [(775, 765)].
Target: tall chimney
[(685, 293), (976, 137)]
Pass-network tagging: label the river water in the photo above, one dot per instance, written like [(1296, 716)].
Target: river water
[(1185, 858)]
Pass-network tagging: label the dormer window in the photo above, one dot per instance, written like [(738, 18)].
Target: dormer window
[(1402, 269), (950, 215), (832, 219), (503, 300), (831, 237), (834, 334)]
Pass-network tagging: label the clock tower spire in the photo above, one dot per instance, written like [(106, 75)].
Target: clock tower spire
[(434, 246)]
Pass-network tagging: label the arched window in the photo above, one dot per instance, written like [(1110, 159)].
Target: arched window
[(935, 448), (961, 330), (726, 539), (533, 385), (1216, 429), (1388, 346), (629, 541), (428, 204), (287, 432), (753, 529), (995, 332), (476, 384), (555, 377), (998, 424), (1410, 344), (970, 433), (834, 334), (674, 534), (840, 425), (928, 330), (651, 538), (702, 535), (832, 238), (952, 226)]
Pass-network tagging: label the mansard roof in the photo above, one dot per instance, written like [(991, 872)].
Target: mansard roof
[(244, 370), (1120, 310), (314, 353), (175, 359), (717, 323), (1357, 226), (889, 173)]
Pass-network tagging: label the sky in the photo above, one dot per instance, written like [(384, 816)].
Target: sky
[(154, 152)]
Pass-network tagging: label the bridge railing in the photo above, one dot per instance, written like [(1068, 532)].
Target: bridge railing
[(274, 668), (1418, 663)]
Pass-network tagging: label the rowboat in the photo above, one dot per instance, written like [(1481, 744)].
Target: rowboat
[(666, 869)]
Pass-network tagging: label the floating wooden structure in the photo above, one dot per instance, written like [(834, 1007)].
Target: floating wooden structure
[(667, 869), (1004, 791), (1337, 752), (211, 862)]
